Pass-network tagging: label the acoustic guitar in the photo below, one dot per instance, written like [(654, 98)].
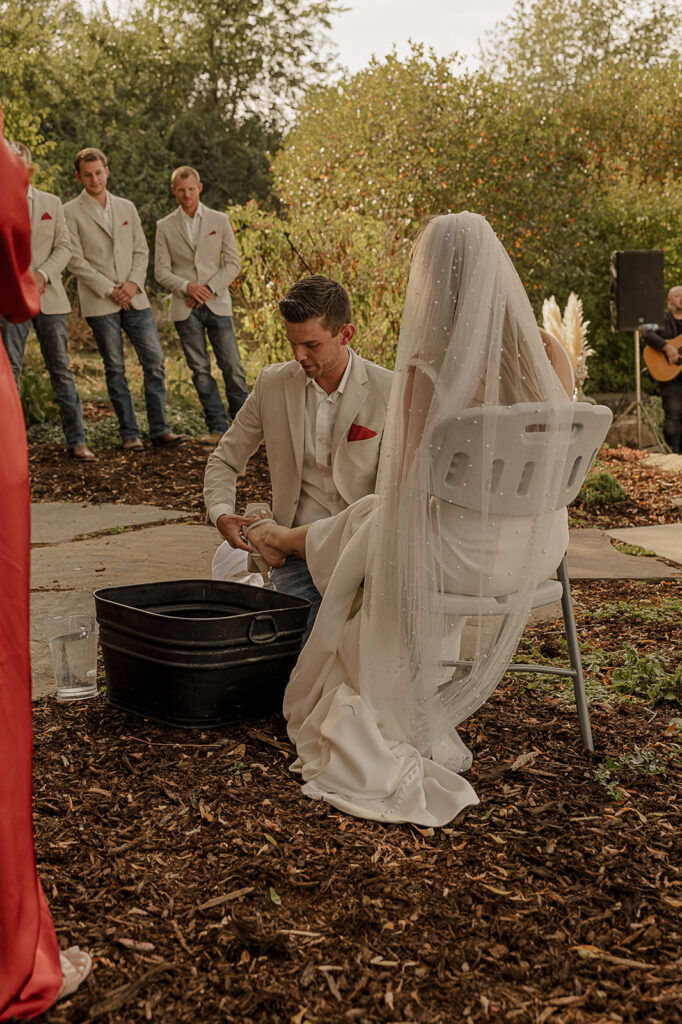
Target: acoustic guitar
[(657, 362)]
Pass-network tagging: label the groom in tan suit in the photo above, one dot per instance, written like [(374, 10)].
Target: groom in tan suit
[(50, 252), (321, 417), (109, 259), (196, 259)]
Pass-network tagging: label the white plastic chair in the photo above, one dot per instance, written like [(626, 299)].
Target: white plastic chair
[(462, 462)]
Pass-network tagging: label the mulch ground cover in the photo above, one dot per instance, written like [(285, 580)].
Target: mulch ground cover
[(208, 889), (652, 496), (173, 478), (169, 478)]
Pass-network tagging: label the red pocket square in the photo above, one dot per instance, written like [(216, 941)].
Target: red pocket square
[(125, 223), (358, 433), (46, 216), (212, 233)]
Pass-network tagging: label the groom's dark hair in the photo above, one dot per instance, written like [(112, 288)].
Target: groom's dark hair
[(317, 296)]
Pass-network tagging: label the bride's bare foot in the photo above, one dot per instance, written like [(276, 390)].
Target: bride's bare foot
[(270, 540), (75, 964)]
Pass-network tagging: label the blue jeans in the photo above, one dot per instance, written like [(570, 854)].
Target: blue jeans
[(50, 329), (671, 394), (294, 578), (220, 330), (141, 329)]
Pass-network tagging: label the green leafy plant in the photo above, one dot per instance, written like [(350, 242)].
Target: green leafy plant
[(645, 676), (37, 398), (600, 488), (103, 433), (45, 433), (615, 770)]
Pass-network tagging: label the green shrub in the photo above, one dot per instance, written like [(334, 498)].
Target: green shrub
[(600, 488)]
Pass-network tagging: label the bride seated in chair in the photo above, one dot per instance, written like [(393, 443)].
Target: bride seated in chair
[(373, 724)]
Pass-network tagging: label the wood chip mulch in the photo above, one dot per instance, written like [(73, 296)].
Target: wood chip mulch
[(168, 478), (174, 478), (653, 496), (208, 889)]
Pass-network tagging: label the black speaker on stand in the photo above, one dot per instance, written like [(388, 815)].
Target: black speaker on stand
[(637, 299)]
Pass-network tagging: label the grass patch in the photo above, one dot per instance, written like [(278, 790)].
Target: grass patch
[(632, 549), (667, 609), (183, 409)]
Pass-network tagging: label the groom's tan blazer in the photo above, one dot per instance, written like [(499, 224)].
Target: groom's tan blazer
[(50, 249), (101, 259), (274, 413), (214, 262)]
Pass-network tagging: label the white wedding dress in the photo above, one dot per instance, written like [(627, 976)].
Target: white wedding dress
[(350, 756), (375, 730)]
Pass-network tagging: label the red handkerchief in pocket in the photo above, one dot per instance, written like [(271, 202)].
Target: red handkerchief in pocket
[(125, 223), (212, 233), (358, 433), (46, 216)]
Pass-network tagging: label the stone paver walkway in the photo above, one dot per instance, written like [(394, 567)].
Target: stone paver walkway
[(73, 554), (664, 540)]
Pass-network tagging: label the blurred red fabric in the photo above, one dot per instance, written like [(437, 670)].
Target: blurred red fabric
[(30, 975)]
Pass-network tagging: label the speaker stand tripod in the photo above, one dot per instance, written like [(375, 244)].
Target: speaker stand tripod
[(641, 409)]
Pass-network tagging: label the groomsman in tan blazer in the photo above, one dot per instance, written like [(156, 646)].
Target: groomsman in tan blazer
[(109, 259), (196, 259), (321, 417), (50, 252)]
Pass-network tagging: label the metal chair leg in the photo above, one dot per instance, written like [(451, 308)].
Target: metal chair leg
[(574, 655)]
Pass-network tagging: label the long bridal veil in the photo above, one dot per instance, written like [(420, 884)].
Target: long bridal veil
[(468, 338)]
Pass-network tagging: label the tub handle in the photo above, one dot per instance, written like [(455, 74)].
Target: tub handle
[(260, 639)]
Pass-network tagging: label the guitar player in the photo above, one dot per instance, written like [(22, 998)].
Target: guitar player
[(671, 389)]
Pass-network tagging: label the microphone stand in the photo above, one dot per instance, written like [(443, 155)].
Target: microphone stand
[(640, 408)]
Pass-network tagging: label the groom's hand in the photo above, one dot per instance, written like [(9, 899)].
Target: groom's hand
[(270, 541), (231, 528)]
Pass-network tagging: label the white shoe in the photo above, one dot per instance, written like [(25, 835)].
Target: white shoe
[(76, 965)]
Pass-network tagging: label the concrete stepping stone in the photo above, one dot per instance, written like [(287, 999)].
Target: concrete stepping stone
[(53, 522)]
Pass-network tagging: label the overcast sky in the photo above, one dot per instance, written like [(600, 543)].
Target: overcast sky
[(374, 26)]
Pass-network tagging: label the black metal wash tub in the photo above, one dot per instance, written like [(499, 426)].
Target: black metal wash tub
[(196, 653)]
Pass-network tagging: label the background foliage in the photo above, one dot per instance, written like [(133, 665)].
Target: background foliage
[(566, 138)]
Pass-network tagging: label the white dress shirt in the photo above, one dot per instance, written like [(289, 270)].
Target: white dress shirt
[(104, 214), (29, 196), (193, 224), (192, 229), (319, 497)]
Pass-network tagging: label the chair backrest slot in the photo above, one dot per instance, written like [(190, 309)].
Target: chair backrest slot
[(575, 469), (496, 471), (525, 480), (457, 470)]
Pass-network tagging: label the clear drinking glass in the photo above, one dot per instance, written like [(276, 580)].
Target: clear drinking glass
[(73, 647)]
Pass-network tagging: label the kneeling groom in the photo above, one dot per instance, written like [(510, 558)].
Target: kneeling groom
[(321, 417)]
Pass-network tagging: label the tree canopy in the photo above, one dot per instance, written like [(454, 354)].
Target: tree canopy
[(563, 180), (211, 84), (567, 139), (554, 45)]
